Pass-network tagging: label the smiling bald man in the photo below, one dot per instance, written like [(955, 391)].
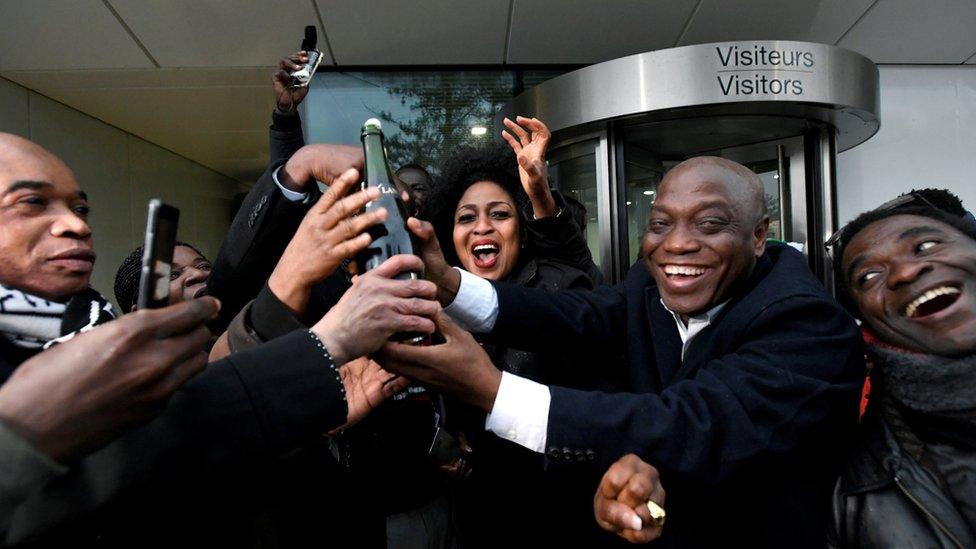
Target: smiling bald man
[(744, 373)]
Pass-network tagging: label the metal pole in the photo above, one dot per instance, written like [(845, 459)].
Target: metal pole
[(828, 157), (819, 149), (785, 204)]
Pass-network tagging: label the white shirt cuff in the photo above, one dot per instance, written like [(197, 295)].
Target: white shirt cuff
[(291, 195), (521, 412), (475, 307)]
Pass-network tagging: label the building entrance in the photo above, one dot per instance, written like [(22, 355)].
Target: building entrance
[(619, 126)]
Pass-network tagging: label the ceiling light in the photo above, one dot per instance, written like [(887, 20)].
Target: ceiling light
[(775, 176), (649, 193), (628, 202), (478, 130)]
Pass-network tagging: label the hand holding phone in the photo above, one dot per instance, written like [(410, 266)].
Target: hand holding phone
[(303, 76)]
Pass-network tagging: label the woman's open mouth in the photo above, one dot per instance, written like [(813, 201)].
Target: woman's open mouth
[(485, 253), (932, 301)]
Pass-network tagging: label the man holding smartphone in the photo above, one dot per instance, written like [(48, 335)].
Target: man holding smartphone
[(224, 424)]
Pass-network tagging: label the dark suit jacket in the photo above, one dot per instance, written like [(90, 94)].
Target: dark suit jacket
[(747, 431), (261, 231), (220, 430)]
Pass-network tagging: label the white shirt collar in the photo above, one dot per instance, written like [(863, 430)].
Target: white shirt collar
[(695, 324)]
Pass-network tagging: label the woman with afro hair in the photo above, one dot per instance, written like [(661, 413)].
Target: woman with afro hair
[(495, 216)]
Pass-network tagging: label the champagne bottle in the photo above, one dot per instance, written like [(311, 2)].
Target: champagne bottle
[(391, 237)]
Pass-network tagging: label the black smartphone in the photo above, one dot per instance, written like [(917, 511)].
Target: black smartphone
[(303, 76), (157, 257)]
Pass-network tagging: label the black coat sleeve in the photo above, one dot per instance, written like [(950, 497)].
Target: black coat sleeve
[(236, 416), (257, 238), (261, 320), (558, 238), (285, 137), (538, 320), (261, 230), (788, 376)]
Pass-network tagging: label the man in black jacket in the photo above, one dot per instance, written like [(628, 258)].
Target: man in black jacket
[(908, 269), (223, 425), (744, 373)]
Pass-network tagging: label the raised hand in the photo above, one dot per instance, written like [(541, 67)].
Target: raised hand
[(79, 395), (621, 500), (322, 162), (287, 98), (529, 142), (376, 307), (330, 232)]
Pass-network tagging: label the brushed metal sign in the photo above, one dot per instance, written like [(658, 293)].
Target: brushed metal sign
[(783, 78)]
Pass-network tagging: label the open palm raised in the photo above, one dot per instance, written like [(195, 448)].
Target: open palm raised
[(529, 139)]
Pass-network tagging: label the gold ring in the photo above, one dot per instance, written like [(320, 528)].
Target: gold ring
[(657, 513)]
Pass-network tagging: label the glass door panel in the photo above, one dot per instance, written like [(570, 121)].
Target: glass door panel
[(643, 171), (574, 172)]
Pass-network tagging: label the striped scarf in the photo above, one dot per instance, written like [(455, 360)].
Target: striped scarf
[(33, 322)]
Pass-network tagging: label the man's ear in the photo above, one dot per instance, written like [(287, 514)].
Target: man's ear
[(760, 234)]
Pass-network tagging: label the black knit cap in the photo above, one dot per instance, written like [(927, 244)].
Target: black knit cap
[(938, 204), (127, 277)]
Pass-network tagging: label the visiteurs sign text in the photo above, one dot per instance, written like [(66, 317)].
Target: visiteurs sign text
[(762, 70)]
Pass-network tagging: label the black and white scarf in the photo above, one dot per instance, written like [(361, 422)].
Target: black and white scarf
[(33, 322)]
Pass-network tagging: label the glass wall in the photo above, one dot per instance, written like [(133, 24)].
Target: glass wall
[(425, 113)]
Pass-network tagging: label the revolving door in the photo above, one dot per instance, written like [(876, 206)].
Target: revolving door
[(619, 126)]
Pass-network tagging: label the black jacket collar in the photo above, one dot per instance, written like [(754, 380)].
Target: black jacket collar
[(879, 463), (667, 341)]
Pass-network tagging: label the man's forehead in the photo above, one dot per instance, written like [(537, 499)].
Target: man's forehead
[(52, 181), (886, 235), (22, 164), (701, 176), (713, 181), (895, 228), (412, 176), (693, 194)]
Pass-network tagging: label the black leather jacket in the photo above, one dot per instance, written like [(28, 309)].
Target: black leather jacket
[(884, 498)]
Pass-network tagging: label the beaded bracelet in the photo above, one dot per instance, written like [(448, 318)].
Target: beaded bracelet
[(330, 360)]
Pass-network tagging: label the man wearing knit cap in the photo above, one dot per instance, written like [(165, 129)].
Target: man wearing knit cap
[(908, 270)]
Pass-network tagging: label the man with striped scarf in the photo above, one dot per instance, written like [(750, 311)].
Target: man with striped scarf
[(111, 432)]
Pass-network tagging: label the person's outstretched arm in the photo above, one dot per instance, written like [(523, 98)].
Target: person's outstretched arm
[(285, 134), (246, 409), (526, 318), (267, 221), (790, 378)]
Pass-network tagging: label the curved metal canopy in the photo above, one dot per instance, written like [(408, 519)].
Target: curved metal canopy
[(798, 80)]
